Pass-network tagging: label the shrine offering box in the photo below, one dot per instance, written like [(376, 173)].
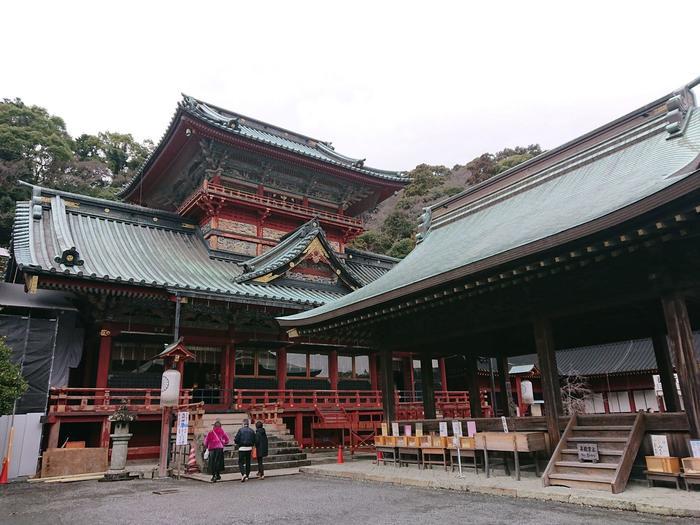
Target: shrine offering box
[(413, 441), (464, 443), (667, 464), (378, 441), (509, 442), (389, 441), (438, 442), (691, 465)]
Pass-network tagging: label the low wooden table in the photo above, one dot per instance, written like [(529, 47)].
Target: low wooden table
[(515, 442), (409, 456), (465, 453), (430, 457), (691, 479), (670, 477), (391, 451)]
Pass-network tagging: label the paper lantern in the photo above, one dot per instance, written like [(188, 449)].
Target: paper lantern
[(170, 388)]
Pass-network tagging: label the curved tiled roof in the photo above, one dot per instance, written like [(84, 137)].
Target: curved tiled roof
[(268, 134), (577, 191)]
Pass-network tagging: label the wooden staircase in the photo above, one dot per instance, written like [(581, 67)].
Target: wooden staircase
[(618, 438)]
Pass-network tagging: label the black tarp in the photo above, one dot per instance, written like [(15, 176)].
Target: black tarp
[(45, 348)]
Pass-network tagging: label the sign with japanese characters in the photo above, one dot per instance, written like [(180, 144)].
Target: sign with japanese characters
[(457, 429), (183, 421), (659, 443), (443, 428), (419, 429), (395, 429), (588, 452), (695, 448)]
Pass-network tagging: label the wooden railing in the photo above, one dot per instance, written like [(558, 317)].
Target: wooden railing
[(245, 399), (108, 399), (209, 188)]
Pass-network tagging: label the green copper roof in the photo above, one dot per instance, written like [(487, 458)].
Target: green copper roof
[(96, 240), (615, 172)]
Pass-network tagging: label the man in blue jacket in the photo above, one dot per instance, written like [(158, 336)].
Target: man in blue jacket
[(245, 439)]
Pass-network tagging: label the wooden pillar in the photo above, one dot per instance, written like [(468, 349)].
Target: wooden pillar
[(373, 372), (504, 385), (54, 431), (387, 384), (681, 338), (105, 431), (226, 379), (427, 385), (299, 429), (546, 355), (282, 369), (473, 385), (663, 363), (443, 374), (103, 359), (333, 369), (519, 395)]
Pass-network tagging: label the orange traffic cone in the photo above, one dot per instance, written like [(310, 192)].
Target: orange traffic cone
[(340, 454), (3, 474), (192, 461)]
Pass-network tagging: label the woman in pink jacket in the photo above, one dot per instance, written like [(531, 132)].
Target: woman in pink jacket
[(214, 443)]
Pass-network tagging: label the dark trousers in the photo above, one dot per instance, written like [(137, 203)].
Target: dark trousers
[(244, 462), (261, 471), (216, 461)]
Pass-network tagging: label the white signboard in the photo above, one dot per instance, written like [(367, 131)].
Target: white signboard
[(471, 428), (443, 428), (457, 429), (660, 445), (395, 429), (183, 421), (505, 424), (695, 448)]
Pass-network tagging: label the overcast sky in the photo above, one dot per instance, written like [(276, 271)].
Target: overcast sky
[(397, 83)]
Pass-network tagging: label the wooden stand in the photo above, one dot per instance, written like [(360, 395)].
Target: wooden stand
[(431, 455), (409, 456), (391, 451), (670, 477)]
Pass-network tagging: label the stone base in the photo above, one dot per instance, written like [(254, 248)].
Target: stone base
[(122, 475)]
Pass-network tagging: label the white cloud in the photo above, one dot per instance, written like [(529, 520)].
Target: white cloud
[(397, 82)]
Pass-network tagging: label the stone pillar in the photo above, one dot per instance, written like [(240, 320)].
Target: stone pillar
[(473, 385), (546, 355), (120, 447), (680, 336), (663, 363), (427, 384), (387, 385), (504, 385)]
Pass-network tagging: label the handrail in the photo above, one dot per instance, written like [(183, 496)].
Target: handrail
[(307, 211)]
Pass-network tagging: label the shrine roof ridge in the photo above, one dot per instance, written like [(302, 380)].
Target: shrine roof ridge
[(240, 125), (650, 161)]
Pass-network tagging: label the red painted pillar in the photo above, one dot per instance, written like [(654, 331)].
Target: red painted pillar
[(282, 369), (299, 429), (333, 369), (225, 385), (373, 372), (105, 432), (443, 374), (103, 359)]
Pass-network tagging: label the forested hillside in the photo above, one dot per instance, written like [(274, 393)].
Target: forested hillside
[(35, 147), (391, 227)]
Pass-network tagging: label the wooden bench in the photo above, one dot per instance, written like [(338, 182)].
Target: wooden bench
[(691, 479), (431, 455), (669, 477), (409, 456)]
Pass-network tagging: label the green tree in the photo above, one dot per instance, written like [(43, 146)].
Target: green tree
[(12, 384)]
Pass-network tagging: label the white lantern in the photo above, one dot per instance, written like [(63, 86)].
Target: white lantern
[(527, 393), (170, 388)]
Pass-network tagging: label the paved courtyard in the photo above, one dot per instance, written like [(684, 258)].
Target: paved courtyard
[(293, 499)]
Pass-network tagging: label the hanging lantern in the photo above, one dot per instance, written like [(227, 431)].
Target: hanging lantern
[(170, 388)]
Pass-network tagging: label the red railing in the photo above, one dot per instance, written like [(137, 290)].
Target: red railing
[(108, 399), (304, 211), (245, 399)]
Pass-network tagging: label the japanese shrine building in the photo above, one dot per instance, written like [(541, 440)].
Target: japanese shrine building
[(230, 223)]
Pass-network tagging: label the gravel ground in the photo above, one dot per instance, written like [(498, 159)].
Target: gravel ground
[(294, 499)]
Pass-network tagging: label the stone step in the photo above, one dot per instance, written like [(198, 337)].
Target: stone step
[(282, 458), (270, 466), (579, 464)]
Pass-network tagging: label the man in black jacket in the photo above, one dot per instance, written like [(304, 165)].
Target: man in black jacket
[(245, 439), (260, 447)]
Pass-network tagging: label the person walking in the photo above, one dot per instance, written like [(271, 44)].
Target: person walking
[(260, 447), (215, 441), (245, 439)]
